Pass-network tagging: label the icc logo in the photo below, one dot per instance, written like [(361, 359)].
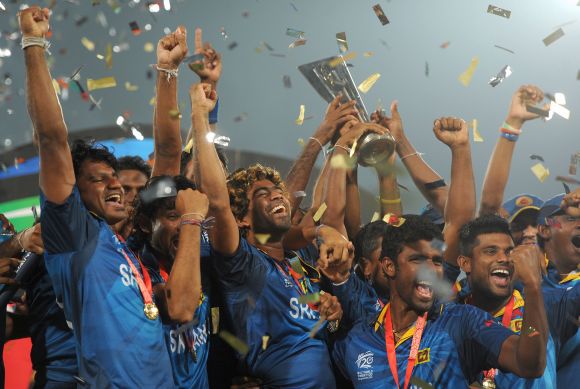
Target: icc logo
[(365, 360)]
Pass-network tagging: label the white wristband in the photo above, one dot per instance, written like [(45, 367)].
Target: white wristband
[(343, 282), (170, 73), (28, 41)]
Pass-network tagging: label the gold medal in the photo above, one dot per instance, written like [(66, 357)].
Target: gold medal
[(151, 311), (488, 383)]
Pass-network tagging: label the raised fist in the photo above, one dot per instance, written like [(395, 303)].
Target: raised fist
[(451, 131), (33, 21), (172, 48), (203, 98)]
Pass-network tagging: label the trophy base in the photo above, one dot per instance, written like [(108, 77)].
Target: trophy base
[(374, 149)]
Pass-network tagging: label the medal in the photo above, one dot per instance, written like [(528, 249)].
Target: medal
[(488, 383), (151, 311)]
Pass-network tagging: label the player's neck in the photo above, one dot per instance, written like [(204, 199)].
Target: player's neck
[(402, 315), (490, 304), (271, 245)]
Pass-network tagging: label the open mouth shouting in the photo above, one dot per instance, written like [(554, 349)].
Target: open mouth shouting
[(115, 200), (501, 276), (424, 290), (279, 210)]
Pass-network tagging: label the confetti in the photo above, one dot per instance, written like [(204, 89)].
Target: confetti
[(319, 212), (566, 189), (295, 33), (287, 82), (148, 47), (504, 13), (341, 41), (215, 320), (89, 45), (296, 43), (301, 141), (342, 161), (81, 21), (223, 33), (278, 55), (553, 37), (367, 84), (109, 56), (300, 119), (578, 75), (504, 73), (569, 180), (101, 83), (265, 340), (505, 49), (299, 194), (2, 7), (465, 77), (135, 30), (476, 135), (540, 171), (341, 58), (313, 298), (537, 110), (560, 110), (380, 14), (375, 217), (537, 157), (445, 45), (241, 117), (368, 54), (232, 45), (175, 114), (234, 342), (426, 69), (262, 238), (95, 103), (316, 327), (574, 162), (403, 187), (56, 86)]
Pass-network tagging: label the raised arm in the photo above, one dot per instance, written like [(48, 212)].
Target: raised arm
[(498, 169), (525, 355), (427, 180), (56, 175), (171, 49), (390, 197), (183, 287), (336, 116), (460, 206), (209, 174)]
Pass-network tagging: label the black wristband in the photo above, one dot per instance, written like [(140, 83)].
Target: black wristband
[(435, 184)]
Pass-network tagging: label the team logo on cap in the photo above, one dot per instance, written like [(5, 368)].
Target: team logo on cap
[(524, 201)]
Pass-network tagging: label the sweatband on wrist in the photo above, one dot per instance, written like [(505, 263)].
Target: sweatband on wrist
[(510, 137), (28, 41), (511, 128), (213, 115)]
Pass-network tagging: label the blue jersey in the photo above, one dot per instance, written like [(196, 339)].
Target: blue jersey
[(117, 346), (189, 367), (53, 351), (262, 300)]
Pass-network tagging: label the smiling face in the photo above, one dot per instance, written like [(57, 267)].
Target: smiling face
[(558, 241), (269, 209), (407, 271), (165, 227), (132, 182), (101, 191), (525, 228), (490, 270)]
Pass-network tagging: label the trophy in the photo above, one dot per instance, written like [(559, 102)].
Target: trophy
[(331, 77)]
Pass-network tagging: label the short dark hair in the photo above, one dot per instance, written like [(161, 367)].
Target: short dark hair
[(134, 162), (368, 238), (82, 150), (488, 224), (186, 157), (414, 229)]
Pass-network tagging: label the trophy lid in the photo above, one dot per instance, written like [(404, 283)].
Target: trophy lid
[(375, 148)]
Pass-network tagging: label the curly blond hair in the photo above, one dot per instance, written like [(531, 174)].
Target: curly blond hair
[(240, 182)]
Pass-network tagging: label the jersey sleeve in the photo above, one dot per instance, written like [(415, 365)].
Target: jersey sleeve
[(244, 267), (451, 272), (562, 306), (66, 227), (357, 298)]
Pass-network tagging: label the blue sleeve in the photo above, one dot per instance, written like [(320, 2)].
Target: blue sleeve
[(562, 305), (242, 268), (451, 272), (357, 298), (68, 226)]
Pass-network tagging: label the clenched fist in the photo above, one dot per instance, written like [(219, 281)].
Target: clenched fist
[(451, 131), (33, 21)]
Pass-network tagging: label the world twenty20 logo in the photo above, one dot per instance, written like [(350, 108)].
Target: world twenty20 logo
[(365, 360)]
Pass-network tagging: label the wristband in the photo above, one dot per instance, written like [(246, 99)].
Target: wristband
[(213, 115), (510, 137), (435, 184), (202, 217), (511, 128), (28, 41), (342, 147), (194, 222), (341, 283), (170, 73), (410, 155), (391, 201)]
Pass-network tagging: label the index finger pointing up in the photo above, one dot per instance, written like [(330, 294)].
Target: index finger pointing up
[(198, 41)]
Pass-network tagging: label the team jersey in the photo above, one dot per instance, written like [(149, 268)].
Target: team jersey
[(117, 345), (458, 342), (53, 352), (189, 366), (262, 301)]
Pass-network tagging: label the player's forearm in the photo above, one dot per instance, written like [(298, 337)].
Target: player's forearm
[(390, 197), (318, 192), (496, 177), (531, 348), (166, 127), (352, 206), (183, 289), (299, 175), (335, 194)]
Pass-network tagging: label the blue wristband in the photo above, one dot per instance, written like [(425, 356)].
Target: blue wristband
[(510, 137), (213, 115)]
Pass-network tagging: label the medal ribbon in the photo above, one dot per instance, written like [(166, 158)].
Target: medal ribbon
[(505, 321), (390, 345), (144, 282), (300, 281)]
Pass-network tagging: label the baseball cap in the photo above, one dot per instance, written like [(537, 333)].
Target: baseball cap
[(432, 215), (550, 208), (520, 203)]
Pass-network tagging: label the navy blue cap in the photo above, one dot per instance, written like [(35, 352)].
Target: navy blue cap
[(550, 208), (432, 215), (520, 203)]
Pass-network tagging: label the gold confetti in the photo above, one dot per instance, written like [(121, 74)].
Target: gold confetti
[(319, 212), (89, 45), (476, 135), (215, 320), (101, 83), (189, 146), (262, 238), (316, 327), (353, 148), (301, 141), (312, 298), (553, 37), (338, 60), (300, 119), (130, 87), (342, 161), (265, 340), (56, 86), (109, 56), (466, 76), (152, 101), (236, 343), (540, 171), (367, 84), (148, 47), (175, 114), (375, 217), (368, 53)]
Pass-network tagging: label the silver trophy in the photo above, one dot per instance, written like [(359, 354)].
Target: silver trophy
[(331, 77)]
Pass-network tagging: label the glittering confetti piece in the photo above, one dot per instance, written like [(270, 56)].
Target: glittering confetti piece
[(296, 43), (338, 60), (2, 8), (278, 55), (558, 98), (56, 86), (300, 119), (504, 73), (476, 135), (466, 76), (316, 327), (287, 81), (537, 110), (375, 217), (95, 103), (232, 45), (262, 238), (241, 117), (294, 33), (312, 298), (215, 320), (403, 187), (148, 47), (445, 45), (135, 30), (367, 84), (319, 212), (109, 56), (353, 149), (299, 194), (342, 161), (368, 54), (223, 33), (89, 45), (265, 340), (426, 69), (504, 13), (578, 75), (505, 49), (380, 14), (236, 343), (537, 157), (175, 114), (559, 110), (341, 41), (101, 83), (130, 87), (540, 171), (301, 142), (553, 37)]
